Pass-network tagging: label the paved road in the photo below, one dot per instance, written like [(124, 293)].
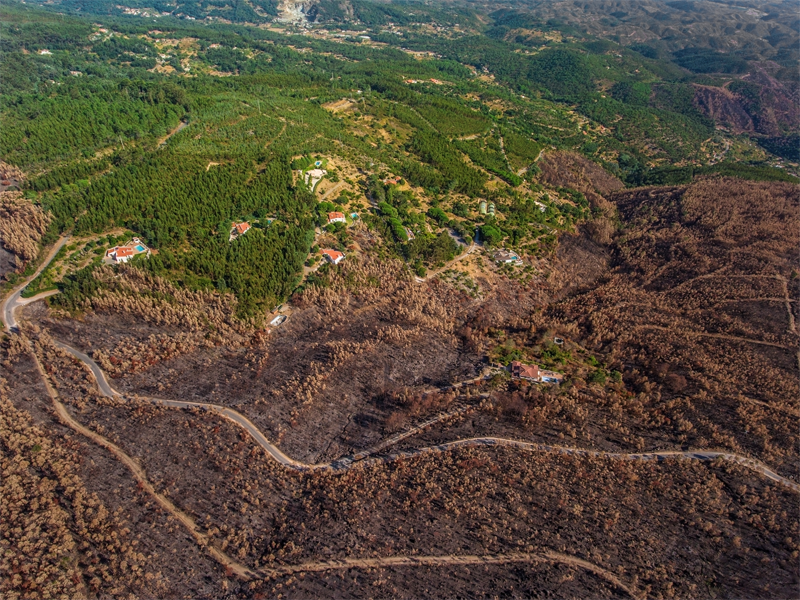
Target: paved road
[(13, 300)]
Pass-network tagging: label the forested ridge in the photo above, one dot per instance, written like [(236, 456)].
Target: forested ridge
[(90, 109)]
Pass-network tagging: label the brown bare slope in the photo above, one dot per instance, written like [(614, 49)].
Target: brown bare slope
[(22, 225), (568, 169), (698, 313), (693, 305), (773, 110), (582, 526), (724, 107), (703, 299)]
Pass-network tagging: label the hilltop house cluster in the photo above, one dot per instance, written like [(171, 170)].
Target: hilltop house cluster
[(122, 254)]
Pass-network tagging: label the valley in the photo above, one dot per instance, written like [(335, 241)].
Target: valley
[(371, 299)]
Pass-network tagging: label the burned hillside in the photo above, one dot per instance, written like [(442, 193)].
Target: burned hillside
[(702, 302), (678, 336), (554, 513)]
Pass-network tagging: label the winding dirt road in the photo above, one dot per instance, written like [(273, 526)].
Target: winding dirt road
[(488, 559), (461, 256), (139, 475), (243, 571), (14, 299), (719, 336), (368, 457)]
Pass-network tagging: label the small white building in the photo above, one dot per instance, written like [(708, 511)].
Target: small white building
[(120, 254), (333, 256), (506, 257), (336, 217), (314, 176)]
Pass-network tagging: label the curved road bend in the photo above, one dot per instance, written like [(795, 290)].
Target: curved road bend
[(228, 413), (202, 539), (243, 571), (347, 462), (13, 300), (383, 562), (246, 573)]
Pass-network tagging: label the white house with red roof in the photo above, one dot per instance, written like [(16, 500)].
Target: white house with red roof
[(336, 217), (333, 256), (120, 254), (239, 229), (534, 373)]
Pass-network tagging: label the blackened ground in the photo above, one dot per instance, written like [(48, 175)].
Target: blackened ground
[(7, 262)]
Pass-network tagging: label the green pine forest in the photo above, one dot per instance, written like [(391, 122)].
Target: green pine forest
[(117, 126)]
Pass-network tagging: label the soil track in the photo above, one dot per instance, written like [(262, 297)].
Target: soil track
[(416, 561), (11, 302), (181, 126), (246, 573), (461, 256), (349, 462), (139, 474), (369, 456), (721, 336)]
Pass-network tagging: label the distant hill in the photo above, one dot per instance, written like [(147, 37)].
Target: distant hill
[(748, 30), (235, 11), (358, 12)]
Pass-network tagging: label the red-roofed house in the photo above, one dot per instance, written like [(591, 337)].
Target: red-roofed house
[(333, 256), (534, 373), (239, 229), (336, 217), (120, 253), (530, 372)]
